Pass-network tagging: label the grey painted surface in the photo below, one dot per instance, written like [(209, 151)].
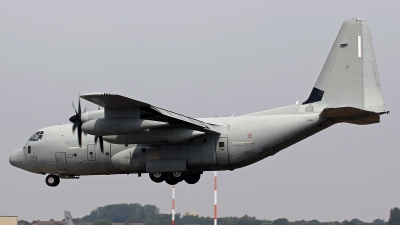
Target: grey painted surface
[(350, 76), (349, 166), (68, 218)]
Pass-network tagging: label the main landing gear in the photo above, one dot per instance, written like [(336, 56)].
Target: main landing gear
[(52, 180), (173, 178)]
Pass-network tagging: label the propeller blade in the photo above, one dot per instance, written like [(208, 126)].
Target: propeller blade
[(73, 106), (100, 139), (74, 128), (80, 136), (101, 144), (79, 106)]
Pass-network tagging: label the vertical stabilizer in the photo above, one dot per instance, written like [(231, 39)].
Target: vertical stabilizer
[(68, 218), (349, 77)]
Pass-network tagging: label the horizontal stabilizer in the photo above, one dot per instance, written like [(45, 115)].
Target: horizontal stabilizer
[(351, 115)]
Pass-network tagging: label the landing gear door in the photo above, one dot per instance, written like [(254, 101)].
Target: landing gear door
[(91, 153), (221, 150), (61, 161)]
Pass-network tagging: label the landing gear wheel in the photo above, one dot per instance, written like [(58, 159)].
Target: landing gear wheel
[(177, 176), (192, 178), (169, 181), (157, 177), (52, 180)]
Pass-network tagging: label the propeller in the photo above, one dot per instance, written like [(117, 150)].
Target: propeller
[(77, 125), (100, 139), (77, 121)]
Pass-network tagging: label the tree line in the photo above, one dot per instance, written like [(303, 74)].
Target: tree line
[(150, 215)]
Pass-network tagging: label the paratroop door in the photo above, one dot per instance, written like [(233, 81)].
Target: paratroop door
[(61, 161), (222, 150)]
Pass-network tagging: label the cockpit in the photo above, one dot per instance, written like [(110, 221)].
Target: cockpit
[(37, 136)]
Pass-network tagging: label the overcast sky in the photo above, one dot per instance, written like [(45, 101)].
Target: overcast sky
[(200, 59)]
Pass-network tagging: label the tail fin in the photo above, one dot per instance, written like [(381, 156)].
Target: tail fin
[(350, 77), (68, 218)]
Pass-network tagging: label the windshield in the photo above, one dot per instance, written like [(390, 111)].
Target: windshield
[(36, 136)]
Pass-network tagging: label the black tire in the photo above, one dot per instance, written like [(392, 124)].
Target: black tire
[(170, 182), (192, 178), (157, 177), (52, 180), (57, 181), (177, 176)]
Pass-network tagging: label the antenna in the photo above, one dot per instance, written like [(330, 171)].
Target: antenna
[(173, 204), (215, 198)]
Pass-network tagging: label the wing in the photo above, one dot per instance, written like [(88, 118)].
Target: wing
[(147, 111)]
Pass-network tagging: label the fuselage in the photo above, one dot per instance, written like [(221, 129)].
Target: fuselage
[(240, 141)]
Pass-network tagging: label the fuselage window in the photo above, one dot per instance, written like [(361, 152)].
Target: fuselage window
[(29, 149), (221, 144)]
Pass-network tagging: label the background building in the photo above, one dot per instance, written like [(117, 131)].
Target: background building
[(191, 214), (8, 220)]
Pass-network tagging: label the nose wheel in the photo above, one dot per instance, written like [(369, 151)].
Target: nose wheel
[(52, 180)]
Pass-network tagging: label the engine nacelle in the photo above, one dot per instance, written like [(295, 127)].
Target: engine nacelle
[(118, 126), (129, 160), (92, 115), (161, 135)]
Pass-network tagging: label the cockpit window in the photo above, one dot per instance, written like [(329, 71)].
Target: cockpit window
[(37, 136)]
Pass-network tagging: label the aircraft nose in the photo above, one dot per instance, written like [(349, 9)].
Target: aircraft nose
[(17, 159)]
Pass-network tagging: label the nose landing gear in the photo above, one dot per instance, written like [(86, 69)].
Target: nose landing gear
[(52, 180)]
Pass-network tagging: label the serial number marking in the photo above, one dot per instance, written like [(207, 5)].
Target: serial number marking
[(71, 143)]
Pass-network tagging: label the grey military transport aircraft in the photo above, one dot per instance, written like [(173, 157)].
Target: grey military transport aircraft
[(131, 136), (68, 218)]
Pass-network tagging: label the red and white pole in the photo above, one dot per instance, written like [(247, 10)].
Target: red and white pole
[(173, 204), (215, 198)]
